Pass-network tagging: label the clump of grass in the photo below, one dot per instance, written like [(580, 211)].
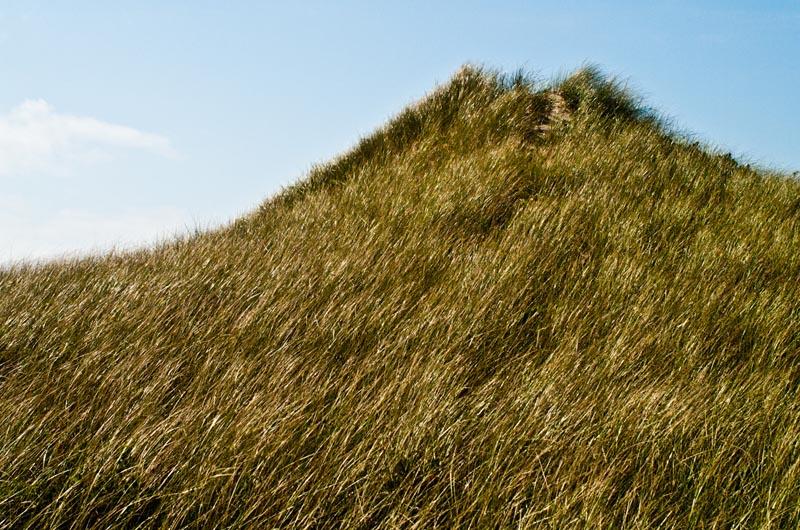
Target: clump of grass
[(515, 305)]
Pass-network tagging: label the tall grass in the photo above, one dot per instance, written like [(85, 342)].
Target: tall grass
[(515, 305)]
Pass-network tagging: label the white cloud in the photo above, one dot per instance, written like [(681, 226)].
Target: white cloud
[(28, 234), (34, 138)]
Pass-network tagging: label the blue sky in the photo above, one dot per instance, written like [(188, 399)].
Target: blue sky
[(123, 122)]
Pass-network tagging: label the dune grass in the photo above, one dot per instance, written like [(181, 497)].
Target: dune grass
[(516, 305)]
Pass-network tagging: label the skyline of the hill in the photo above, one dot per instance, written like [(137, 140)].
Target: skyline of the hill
[(125, 123)]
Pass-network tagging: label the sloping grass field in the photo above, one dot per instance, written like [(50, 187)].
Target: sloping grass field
[(516, 305)]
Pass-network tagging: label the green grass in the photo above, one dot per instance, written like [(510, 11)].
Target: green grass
[(516, 305)]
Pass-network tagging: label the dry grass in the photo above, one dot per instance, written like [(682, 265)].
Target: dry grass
[(480, 317)]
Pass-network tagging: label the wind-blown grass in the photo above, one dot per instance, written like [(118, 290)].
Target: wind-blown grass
[(515, 305)]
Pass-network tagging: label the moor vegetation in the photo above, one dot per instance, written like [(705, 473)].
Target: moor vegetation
[(516, 305)]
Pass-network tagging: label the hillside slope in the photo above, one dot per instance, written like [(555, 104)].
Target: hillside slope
[(513, 306)]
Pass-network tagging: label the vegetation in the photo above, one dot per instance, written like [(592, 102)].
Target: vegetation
[(516, 305)]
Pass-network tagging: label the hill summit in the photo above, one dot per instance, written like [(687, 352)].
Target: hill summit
[(516, 305)]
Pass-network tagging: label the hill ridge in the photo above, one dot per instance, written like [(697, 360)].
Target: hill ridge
[(517, 304)]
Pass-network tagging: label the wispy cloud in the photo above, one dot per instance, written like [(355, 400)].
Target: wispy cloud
[(34, 138)]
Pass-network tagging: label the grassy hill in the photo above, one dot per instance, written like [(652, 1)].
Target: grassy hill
[(515, 305)]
